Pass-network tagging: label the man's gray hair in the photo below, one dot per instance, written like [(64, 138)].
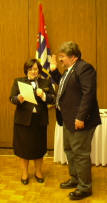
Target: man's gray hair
[(70, 48)]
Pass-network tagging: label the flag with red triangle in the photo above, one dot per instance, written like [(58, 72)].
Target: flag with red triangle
[(43, 53)]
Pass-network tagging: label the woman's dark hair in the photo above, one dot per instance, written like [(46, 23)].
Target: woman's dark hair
[(70, 49), (29, 65)]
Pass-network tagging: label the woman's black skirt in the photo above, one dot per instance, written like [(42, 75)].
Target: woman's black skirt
[(30, 142)]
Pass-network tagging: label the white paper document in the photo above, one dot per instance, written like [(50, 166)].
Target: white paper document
[(26, 91)]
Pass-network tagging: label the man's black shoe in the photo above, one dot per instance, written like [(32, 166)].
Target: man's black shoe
[(77, 194), (68, 184)]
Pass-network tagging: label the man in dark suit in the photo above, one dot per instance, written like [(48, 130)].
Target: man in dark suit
[(78, 112)]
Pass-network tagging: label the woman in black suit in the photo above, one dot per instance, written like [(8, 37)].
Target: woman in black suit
[(30, 120)]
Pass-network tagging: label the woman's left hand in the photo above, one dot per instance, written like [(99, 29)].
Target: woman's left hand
[(39, 92)]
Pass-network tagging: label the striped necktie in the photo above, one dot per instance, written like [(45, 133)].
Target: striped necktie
[(61, 87)]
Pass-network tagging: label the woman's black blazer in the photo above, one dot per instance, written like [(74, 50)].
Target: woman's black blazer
[(23, 112)]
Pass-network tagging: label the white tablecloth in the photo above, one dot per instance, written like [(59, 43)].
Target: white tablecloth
[(99, 144)]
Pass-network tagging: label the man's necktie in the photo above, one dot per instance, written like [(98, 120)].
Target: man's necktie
[(61, 87)]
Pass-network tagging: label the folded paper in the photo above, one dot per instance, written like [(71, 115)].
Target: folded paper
[(26, 91)]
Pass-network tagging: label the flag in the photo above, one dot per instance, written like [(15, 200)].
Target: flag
[(43, 53)]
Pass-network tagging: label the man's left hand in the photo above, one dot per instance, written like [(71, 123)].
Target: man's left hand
[(79, 124)]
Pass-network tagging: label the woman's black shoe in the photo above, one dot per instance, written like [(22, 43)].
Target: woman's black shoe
[(25, 181), (39, 180)]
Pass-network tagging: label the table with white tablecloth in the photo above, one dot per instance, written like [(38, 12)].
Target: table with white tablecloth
[(99, 144)]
